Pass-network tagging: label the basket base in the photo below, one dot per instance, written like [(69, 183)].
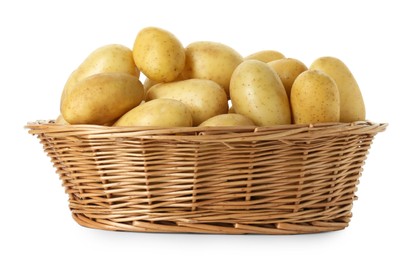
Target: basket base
[(210, 228)]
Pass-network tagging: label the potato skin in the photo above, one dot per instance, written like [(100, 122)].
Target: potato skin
[(258, 93), (101, 98), (107, 58), (265, 56), (352, 102), (158, 112), (211, 60), (158, 54), (314, 98), (288, 69), (231, 119), (204, 98)]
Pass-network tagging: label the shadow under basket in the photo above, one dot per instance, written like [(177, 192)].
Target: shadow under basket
[(289, 179)]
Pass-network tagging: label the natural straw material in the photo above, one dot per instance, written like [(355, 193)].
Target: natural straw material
[(232, 180)]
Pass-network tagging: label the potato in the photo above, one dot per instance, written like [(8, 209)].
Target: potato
[(211, 60), (158, 54), (228, 120), (288, 69), (314, 98), (107, 58), (258, 93), (101, 98), (60, 120), (148, 83), (205, 98), (158, 112), (265, 56), (352, 103)]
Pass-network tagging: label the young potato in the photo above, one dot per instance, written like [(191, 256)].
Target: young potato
[(314, 98), (352, 103), (265, 56), (158, 112), (101, 98), (107, 58), (205, 98), (258, 93), (288, 69), (158, 54), (228, 120), (211, 60), (60, 120)]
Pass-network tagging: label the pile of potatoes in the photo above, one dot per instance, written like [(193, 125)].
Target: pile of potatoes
[(205, 84)]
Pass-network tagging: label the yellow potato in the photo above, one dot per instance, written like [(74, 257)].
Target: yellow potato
[(314, 98), (101, 98), (205, 98), (108, 58), (265, 56), (60, 120), (228, 120), (148, 83), (158, 112), (258, 93), (211, 60), (352, 103), (288, 69), (158, 54)]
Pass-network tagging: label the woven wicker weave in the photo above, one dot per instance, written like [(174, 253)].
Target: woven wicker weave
[(268, 180)]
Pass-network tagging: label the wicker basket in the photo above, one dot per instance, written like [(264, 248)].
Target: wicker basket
[(267, 180)]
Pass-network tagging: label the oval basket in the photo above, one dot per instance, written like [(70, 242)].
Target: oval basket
[(287, 179)]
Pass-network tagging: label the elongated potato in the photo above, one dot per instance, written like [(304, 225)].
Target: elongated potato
[(288, 69), (265, 56), (228, 120), (205, 98), (211, 60), (258, 93), (158, 112), (314, 98), (101, 98), (107, 58), (158, 54), (352, 102)]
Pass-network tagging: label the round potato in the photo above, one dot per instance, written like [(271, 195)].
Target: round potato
[(314, 98), (101, 98), (158, 54), (228, 120), (211, 60), (288, 69), (107, 58), (159, 112), (205, 98), (352, 102), (265, 56), (258, 93)]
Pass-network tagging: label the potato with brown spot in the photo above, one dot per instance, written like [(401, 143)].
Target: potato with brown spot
[(315, 98), (158, 54), (107, 58), (257, 92), (204, 97), (159, 112), (211, 60), (288, 69), (352, 102), (101, 98)]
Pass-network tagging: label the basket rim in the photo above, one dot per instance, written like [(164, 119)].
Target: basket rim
[(208, 133)]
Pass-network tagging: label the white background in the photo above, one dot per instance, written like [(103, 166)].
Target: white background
[(43, 41)]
